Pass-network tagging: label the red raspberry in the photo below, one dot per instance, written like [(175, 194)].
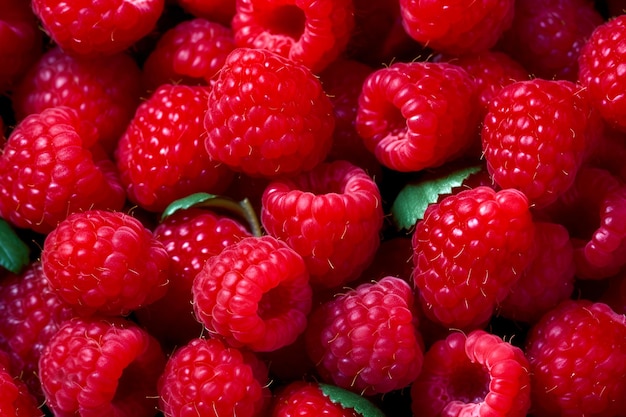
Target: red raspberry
[(31, 314), (105, 262), (535, 137), (206, 378), (101, 367), (254, 294), (468, 252), (191, 52), (48, 172), (161, 156), (15, 399), (479, 375), (190, 238), (332, 216), (418, 115), (312, 33), (97, 27), (601, 60), (546, 36), (267, 115), (104, 91), (577, 356), (457, 27), (366, 340), (20, 42), (220, 11)]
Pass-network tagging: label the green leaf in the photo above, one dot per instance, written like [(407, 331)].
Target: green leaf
[(409, 206), (14, 254), (347, 399)]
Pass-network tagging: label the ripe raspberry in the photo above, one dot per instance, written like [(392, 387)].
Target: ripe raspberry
[(191, 52), (207, 378), (47, 171), (577, 356), (601, 60), (468, 252), (332, 216), (254, 294), (546, 36), (418, 115), (457, 27), (101, 367), (312, 33), (105, 262), (104, 91), (478, 375), (161, 156), (535, 137), (97, 27), (219, 11), (267, 115), (190, 237), (366, 339), (15, 400)]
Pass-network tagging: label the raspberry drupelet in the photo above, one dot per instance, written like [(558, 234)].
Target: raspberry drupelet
[(15, 399)]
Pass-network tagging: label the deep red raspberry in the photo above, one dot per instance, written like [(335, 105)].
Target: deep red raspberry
[(602, 60), (457, 27), (535, 137), (15, 399), (104, 91), (313, 33), (546, 36), (254, 294), (207, 378), (479, 375), (101, 367), (268, 115), (468, 252), (31, 314), (190, 238), (97, 27), (548, 279), (577, 356), (47, 171), (366, 340), (418, 115), (332, 216), (191, 52), (220, 11), (161, 155), (105, 262)]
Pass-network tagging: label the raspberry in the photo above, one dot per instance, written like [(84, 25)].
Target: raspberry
[(207, 378), (190, 238), (417, 115), (105, 262), (546, 36), (457, 27), (97, 27), (98, 367), (602, 59), (478, 374), (468, 252), (104, 91), (47, 171), (313, 33), (15, 400), (220, 11), (366, 340), (191, 52), (161, 156), (572, 372), (535, 137), (267, 115), (331, 215), (254, 294), (32, 313)]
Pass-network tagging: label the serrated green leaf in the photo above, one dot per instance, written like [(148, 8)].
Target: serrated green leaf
[(409, 206), (347, 399), (14, 254)]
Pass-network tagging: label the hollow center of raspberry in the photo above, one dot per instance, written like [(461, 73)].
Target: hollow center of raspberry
[(288, 20), (396, 122), (274, 303), (469, 384), (128, 384)]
